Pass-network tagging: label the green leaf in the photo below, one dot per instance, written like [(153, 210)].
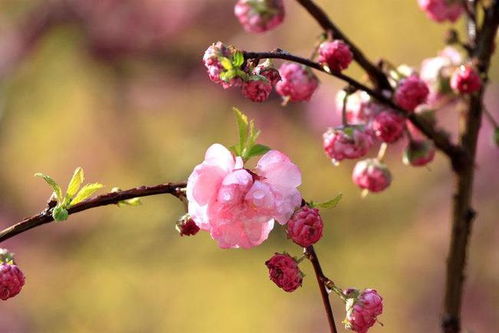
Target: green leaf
[(328, 204), (236, 149), (226, 63), (242, 124), (55, 187), (86, 192), (75, 183), (257, 150), (238, 59)]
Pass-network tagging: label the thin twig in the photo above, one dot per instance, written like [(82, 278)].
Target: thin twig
[(321, 279), (102, 200)]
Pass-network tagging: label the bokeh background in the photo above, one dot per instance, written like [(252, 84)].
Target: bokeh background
[(118, 88)]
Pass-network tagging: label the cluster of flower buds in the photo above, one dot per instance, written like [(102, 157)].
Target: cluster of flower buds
[(11, 277), (226, 66), (362, 309)]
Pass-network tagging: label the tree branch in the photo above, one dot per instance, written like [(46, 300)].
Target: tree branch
[(463, 213), (375, 74), (45, 216), (439, 138), (321, 279)]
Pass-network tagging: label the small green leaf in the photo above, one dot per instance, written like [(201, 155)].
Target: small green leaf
[(328, 204), (238, 59), (257, 150), (86, 192), (75, 183), (242, 124), (236, 149), (60, 213), (55, 187), (496, 136), (226, 63)]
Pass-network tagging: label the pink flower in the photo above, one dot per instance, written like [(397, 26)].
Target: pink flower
[(211, 60), (371, 175), (357, 107), (268, 71), (465, 80), (419, 153), (336, 55), (11, 278), (238, 206), (257, 89), (305, 226), (388, 126), (362, 309), (411, 92), (284, 272), (442, 10), (259, 15), (298, 83), (346, 143)]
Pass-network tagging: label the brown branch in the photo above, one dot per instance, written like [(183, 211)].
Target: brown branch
[(440, 138), (321, 280), (463, 213), (102, 200), (375, 74)]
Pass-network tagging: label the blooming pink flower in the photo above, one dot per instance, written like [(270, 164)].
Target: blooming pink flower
[(305, 226), (411, 92), (211, 60), (336, 55), (268, 71), (442, 10), (257, 90), (11, 278), (388, 126), (298, 83), (419, 153), (351, 142), (465, 80), (362, 309), (259, 15), (238, 206), (284, 272), (372, 175)]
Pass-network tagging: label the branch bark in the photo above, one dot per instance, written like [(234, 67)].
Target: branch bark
[(321, 279), (102, 200), (463, 213)]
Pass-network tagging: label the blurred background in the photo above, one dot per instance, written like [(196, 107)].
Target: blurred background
[(118, 87)]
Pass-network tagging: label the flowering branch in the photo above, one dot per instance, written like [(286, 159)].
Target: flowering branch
[(375, 74), (440, 138), (45, 216)]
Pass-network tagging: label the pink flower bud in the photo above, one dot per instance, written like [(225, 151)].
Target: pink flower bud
[(372, 175), (268, 71), (284, 272), (298, 83), (358, 107), (419, 153), (362, 309), (465, 80), (211, 60), (346, 143), (187, 227), (257, 89), (336, 55), (259, 15), (305, 226), (388, 126), (411, 92), (442, 10), (11, 278)]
